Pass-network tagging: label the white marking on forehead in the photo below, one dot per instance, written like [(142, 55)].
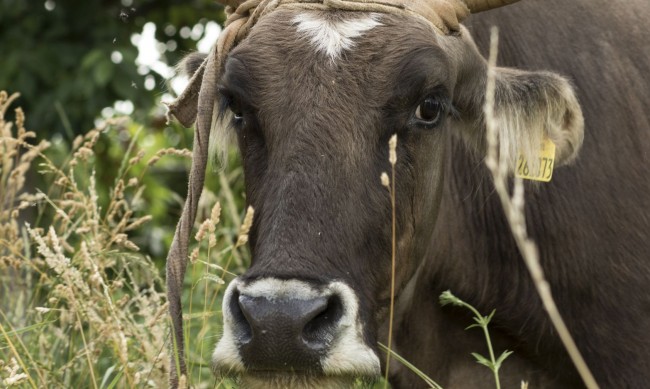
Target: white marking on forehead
[(334, 36)]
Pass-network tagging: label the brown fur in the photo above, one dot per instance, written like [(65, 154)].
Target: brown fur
[(314, 143), (591, 222)]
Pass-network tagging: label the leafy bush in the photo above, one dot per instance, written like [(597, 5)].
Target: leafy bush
[(70, 59)]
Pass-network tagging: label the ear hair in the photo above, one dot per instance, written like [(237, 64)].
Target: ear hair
[(191, 63), (528, 106), (222, 135), (531, 106)]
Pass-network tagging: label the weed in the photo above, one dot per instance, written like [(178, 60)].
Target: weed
[(494, 364), (432, 384)]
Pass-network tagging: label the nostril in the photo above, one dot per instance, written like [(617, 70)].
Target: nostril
[(242, 327), (284, 332), (320, 330)]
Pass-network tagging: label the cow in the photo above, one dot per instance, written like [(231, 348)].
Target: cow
[(312, 91)]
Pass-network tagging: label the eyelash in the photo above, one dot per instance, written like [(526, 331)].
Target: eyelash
[(446, 109), (225, 104)]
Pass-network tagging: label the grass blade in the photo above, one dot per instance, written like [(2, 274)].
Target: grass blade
[(432, 384)]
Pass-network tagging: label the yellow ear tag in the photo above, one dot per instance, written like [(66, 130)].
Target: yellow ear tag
[(544, 170)]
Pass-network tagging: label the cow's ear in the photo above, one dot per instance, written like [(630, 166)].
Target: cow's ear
[(532, 106), (528, 107), (191, 63), (185, 108)]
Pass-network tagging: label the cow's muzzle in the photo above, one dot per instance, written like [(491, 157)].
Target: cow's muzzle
[(273, 327)]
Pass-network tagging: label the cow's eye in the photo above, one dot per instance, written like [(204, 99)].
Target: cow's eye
[(229, 102), (235, 108), (430, 111)]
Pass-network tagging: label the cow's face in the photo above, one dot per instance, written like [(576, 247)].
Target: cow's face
[(313, 99)]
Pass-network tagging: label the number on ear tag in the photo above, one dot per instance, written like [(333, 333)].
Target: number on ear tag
[(544, 169)]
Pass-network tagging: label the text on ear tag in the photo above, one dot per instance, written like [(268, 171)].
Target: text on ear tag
[(544, 169)]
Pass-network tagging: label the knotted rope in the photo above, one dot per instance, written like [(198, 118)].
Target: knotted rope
[(199, 100)]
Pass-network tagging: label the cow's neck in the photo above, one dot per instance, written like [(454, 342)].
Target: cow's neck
[(473, 254)]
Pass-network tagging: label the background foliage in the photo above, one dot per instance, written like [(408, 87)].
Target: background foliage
[(83, 305), (89, 201), (70, 59), (76, 61)]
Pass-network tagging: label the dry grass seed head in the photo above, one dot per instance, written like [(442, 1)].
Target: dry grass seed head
[(245, 227), (20, 121), (185, 153), (385, 181), (135, 160), (216, 213), (392, 153), (74, 286), (14, 377)]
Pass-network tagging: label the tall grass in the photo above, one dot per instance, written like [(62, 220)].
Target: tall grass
[(80, 306), (513, 206)]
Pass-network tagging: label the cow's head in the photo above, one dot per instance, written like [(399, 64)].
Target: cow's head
[(311, 98)]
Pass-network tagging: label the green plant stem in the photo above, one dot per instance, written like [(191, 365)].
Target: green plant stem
[(495, 368), (483, 323), (189, 320), (205, 305), (83, 339), (15, 352), (64, 120)]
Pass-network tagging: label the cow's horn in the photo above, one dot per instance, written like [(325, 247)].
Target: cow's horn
[(485, 5)]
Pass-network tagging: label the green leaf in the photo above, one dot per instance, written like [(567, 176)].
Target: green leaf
[(103, 72), (502, 358), (447, 297), (107, 376), (483, 361), (489, 317), (432, 384), (93, 57), (27, 329), (480, 321)]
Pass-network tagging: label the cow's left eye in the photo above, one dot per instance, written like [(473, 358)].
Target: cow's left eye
[(237, 111), (430, 111)]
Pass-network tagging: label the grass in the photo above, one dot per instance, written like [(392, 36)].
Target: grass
[(482, 322), (513, 206), (82, 306), (432, 384)]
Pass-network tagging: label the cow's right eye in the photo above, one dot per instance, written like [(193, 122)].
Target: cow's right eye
[(230, 102), (430, 112)]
